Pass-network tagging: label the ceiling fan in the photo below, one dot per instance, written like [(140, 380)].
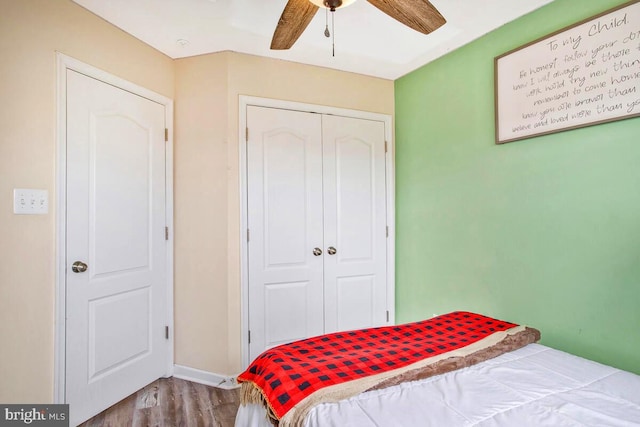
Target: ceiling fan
[(420, 15)]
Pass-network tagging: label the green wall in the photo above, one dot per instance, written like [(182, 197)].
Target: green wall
[(543, 232)]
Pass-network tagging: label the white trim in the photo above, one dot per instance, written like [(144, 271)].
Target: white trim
[(243, 102), (391, 222), (65, 63), (244, 264), (59, 370), (168, 122), (205, 377)]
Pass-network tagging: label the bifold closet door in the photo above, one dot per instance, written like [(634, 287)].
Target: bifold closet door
[(284, 200), (355, 260)]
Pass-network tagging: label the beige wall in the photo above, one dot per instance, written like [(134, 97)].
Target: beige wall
[(208, 264), (200, 193), (31, 31), (207, 254)]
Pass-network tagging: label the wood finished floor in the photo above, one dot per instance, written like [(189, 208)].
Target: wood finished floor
[(172, 402)]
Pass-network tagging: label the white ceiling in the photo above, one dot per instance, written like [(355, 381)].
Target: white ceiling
[(367, 41)]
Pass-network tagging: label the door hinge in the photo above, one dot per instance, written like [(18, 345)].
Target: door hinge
[(166, 135), (246, 134), (248, 235), (387, 230), (385, 146), (387, 316), (249, 336), (166, 332), (166, 233)]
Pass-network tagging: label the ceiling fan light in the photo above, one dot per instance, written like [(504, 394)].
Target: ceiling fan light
[(321, 3)]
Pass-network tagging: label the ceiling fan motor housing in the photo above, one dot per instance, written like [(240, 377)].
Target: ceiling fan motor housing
[(332, 4)]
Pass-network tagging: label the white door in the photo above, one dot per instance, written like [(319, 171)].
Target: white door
[(115, 319), (355, 266), (316, 213), (284, 201)]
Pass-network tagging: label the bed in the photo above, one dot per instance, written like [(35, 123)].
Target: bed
[(500, 377)]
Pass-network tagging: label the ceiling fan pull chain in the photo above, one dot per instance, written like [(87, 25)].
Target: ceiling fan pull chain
[(326, 23), (333, 33)]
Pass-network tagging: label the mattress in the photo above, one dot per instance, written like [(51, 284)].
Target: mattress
[(532, 386)]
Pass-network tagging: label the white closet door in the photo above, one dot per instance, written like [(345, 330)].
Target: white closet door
[(284, 200), (354, 223)]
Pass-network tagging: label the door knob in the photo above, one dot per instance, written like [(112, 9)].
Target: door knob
[(79, 267), (317, 251), (331, 250)]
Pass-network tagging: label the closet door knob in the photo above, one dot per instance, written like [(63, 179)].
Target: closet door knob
[(79, 267), (317, 251), (331, 250)]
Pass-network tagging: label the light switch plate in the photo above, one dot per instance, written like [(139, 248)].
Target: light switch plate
[(27, 201)]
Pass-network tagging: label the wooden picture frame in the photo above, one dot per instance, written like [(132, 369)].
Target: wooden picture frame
[(582, 75)]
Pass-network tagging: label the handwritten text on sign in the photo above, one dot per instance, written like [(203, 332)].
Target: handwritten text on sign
[(586, 74)]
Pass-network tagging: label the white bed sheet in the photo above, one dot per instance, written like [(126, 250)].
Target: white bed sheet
[(532, 386)]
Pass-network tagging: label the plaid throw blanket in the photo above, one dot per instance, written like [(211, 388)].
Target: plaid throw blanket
[(288, 376)]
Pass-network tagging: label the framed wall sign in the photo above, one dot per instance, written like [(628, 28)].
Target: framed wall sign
[(582, 75)]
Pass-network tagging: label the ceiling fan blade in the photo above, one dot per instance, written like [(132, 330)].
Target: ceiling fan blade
[(420, 15), (294, 19)]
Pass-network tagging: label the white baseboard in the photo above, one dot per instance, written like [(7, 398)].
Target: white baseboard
[(204, 377)]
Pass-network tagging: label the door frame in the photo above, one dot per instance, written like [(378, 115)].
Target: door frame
[(245, 101), (64, 63)]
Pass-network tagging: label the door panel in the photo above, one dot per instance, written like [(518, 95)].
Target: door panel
[(108, 351), (115, 341), (284, 200), (119, 220), (354, 223), (355, 302), (286, 321), (355, 193), (285, 204)]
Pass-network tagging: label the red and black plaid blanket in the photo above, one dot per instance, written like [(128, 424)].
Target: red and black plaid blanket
[(288, 374)]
